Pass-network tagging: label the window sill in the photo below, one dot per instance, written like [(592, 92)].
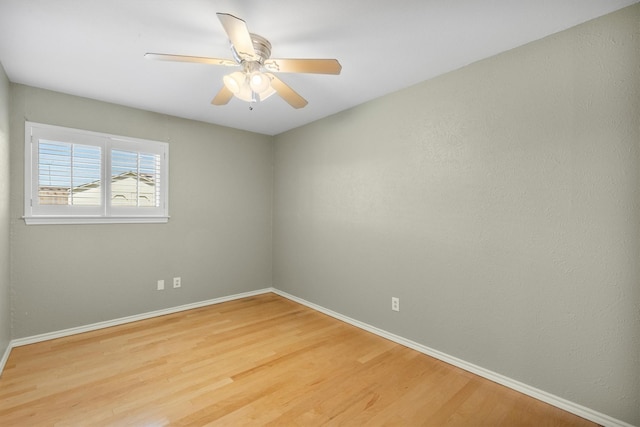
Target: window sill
[(52, 220)]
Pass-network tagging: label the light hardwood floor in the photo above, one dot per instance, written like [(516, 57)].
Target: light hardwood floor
[(261, 360)]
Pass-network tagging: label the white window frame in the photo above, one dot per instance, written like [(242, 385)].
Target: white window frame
[(34, 213)]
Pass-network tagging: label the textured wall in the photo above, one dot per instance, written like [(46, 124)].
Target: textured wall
[(5, 310), (218, 239), (499, 202)]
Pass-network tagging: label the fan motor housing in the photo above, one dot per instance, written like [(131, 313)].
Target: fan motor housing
[(261, 46)]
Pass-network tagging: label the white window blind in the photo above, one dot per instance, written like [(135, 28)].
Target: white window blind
[(76, 176), (69, 174), (136, 176)]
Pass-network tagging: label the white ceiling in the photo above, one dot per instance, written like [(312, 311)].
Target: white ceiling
[(95, 48)]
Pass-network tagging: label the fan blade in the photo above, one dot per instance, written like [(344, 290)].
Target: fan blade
[(288, 94), (223, 97), (314, 66), (184, 58), (238, 34)]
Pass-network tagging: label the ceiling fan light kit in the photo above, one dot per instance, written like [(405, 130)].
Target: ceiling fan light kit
[(256, 81), (249, 86)]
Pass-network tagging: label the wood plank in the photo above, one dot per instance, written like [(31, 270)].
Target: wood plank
[(262, 360)]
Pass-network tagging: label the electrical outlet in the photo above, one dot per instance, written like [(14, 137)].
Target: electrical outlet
[(160, 285), (395, 304), (176, 282)]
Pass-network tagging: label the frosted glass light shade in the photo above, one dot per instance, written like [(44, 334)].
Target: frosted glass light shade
[(259, 82), (235, 82), (246, 94), (267, 93)]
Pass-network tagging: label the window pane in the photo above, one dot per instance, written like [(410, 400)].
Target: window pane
[(68, 174), (135, 179)]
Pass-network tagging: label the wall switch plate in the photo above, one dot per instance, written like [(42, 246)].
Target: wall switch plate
[(160, 285), (395, 304), (176, 282)]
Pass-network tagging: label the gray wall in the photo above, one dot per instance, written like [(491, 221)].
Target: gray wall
[(499, 202), (5, 309), (218, 239)]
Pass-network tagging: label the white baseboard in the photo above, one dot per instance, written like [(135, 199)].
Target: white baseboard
[(5, 357), (549, 398), (106, 324)]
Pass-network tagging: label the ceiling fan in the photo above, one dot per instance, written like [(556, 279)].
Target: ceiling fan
[(256, 81)]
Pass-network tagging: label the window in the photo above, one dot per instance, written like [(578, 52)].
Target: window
[(74, 176)]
